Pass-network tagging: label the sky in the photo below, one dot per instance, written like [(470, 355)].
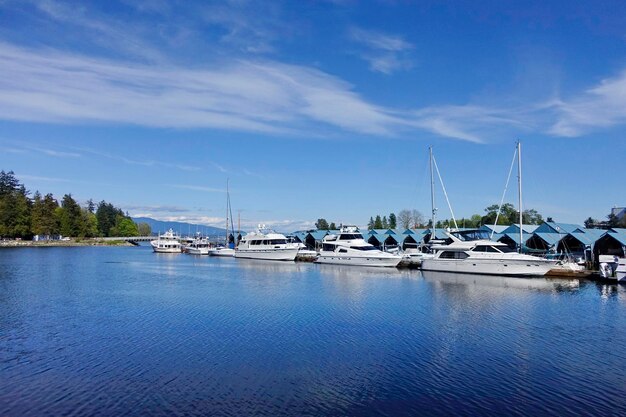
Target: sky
[(315, 109)]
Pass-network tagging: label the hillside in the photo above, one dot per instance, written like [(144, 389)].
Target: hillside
[(180, 227)]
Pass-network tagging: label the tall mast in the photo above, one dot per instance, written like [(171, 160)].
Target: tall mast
[(227, 207), (432, 193), (519, 187)]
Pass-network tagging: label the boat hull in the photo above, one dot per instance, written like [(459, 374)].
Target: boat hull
[(335, 259), (197, 251), (522, 268), (276, 254), (166, 250), (222, 252)]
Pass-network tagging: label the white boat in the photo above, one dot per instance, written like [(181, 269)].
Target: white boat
[(222, 251), (415, 256), (349, 248), (613, 268), (168, 242), (198, 247), (471, 252), (267, 245)]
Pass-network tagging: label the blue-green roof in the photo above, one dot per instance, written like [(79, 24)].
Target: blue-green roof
[(491, 227), (527, 228), (378, 238), (620, 237), (558, 228), (550, 238)]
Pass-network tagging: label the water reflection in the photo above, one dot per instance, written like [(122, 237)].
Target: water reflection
[(498, 284)]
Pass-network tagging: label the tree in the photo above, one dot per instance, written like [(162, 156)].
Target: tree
[(549, 220), (332, 226), (70, 217), (417, 218), (124, 227), (91, 206), (144, 229), (321, 224), (612, 220), (370, 224), (385, 222), (378, 223), (107, 217), (590, 223), (405, 218), (89, 223), (531, 216), (475, 220), (393, 222), (15, 207)]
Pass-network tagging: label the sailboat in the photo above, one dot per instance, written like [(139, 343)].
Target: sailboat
[(471, 251), (228, 249)]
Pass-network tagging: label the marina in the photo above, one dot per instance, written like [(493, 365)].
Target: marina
[(108, 331)]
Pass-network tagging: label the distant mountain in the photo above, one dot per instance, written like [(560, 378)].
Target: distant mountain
[(180, 227)]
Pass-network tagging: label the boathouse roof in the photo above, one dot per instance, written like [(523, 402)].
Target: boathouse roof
[(559, 228)]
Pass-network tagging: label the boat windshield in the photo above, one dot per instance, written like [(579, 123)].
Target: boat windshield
[(469, 235), (363, 247), (350, 236)]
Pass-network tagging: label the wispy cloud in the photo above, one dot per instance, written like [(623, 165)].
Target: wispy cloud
[(263, 97), (26, 177), (601, 106), (197, 188), (147, 163), (56, 153), (155, 209), (385, 53)]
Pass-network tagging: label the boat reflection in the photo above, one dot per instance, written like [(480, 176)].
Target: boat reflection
[(494, 281)]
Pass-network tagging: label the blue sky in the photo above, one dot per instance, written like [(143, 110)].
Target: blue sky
[(315, 108)]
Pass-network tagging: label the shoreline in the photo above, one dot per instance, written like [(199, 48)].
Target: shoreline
[(62, 243)]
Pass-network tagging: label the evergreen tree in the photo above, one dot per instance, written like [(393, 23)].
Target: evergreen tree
[(88, 223), (370, 224), (385, 222), (378, 223), (50, 221), (37, 215), (70, 217), (15, 207), (393, 222), (332, 226)]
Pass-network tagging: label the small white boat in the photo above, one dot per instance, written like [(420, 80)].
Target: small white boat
[(613, 268), (267, 245), (349, 248), (415, 256), (222, 251), (168, 242), (198, 247)]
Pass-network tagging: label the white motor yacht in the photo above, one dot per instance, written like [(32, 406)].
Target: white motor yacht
[(349, 248), (471, 252), (198, 247), (266, 244), (167, 242)]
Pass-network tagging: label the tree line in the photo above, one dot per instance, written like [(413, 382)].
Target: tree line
[(24, 217)]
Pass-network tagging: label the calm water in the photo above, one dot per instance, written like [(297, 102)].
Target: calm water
[(123, 331)]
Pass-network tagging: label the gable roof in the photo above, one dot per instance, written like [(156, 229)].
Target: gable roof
[(550, 238), (559, 228)]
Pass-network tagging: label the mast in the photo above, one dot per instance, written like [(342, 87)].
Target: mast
[(227, 207), (519, 189), (432, 193)]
